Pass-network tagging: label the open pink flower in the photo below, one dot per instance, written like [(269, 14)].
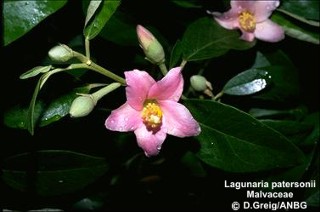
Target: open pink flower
[(252, 18), (152, 110)]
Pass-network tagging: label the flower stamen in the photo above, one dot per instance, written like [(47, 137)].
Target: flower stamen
[(247, 21), (152, 115)]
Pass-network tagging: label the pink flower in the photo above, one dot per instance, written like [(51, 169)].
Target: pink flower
[(252, 18), (152, 110)]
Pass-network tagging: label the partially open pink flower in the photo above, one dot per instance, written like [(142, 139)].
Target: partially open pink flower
[(252, 18), (152, 110)]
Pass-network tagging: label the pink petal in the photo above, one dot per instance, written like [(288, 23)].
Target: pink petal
[(240, 6), (169, 87), (124, 119), (247, 36), (150, 142), (177, 120), (269, 31), (263, 9), (138, 85), (228, 20)]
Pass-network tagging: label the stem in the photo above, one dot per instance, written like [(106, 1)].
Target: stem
[(163, 68), (87, 47), (46, 76), (183, 97), (216, 97), (105, 90), (183, 63), (87, 63)]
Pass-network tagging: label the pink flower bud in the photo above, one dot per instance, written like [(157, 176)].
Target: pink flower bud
[(150, 45)]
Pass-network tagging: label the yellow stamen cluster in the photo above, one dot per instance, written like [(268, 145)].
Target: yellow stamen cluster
[(151, 115), (247, 21)]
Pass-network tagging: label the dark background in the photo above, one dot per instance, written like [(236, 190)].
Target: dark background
[(175, 190)]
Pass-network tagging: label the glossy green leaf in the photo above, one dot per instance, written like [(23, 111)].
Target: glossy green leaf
[(52, 175), (248, 82), (260, 61), (176, 54), (43, 114), (59, 108), (235, 141), (35, 71), (301, 19), (294, 130), (120, 30), (100, 18), (94, 202), (294, 30), (19, 17), (308, 9), (205, 39), (16, 117), (296, 113), (284, 76), (92, 7)]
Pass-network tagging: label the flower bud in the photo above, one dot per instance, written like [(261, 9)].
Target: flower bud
[(82, 106), (201, 84), (198, 82), (60, 53), (150, 45)]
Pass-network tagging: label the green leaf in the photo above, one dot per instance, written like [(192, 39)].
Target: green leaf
[(92, 7), (16, 117), (285, 81), (94, 202), (59, 108), (299, 18), (296, 113), (176, 54), (101, 17), (52, 175), (120, 30), (260, 61), (235, 141), (19, 17), (35, 71), (205, 39), (43, 114), (308, 9), (248, 82), (294, 130), (294, 30)]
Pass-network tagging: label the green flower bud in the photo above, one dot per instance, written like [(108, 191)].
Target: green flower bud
[(198, 83), (150, 46), (82, 106), (60, 53)]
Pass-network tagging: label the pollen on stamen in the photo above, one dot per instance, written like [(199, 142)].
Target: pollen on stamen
[(247, 21), (152, 115)]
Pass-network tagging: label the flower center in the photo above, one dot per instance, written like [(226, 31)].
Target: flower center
[(247, 21), (151, 115)]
